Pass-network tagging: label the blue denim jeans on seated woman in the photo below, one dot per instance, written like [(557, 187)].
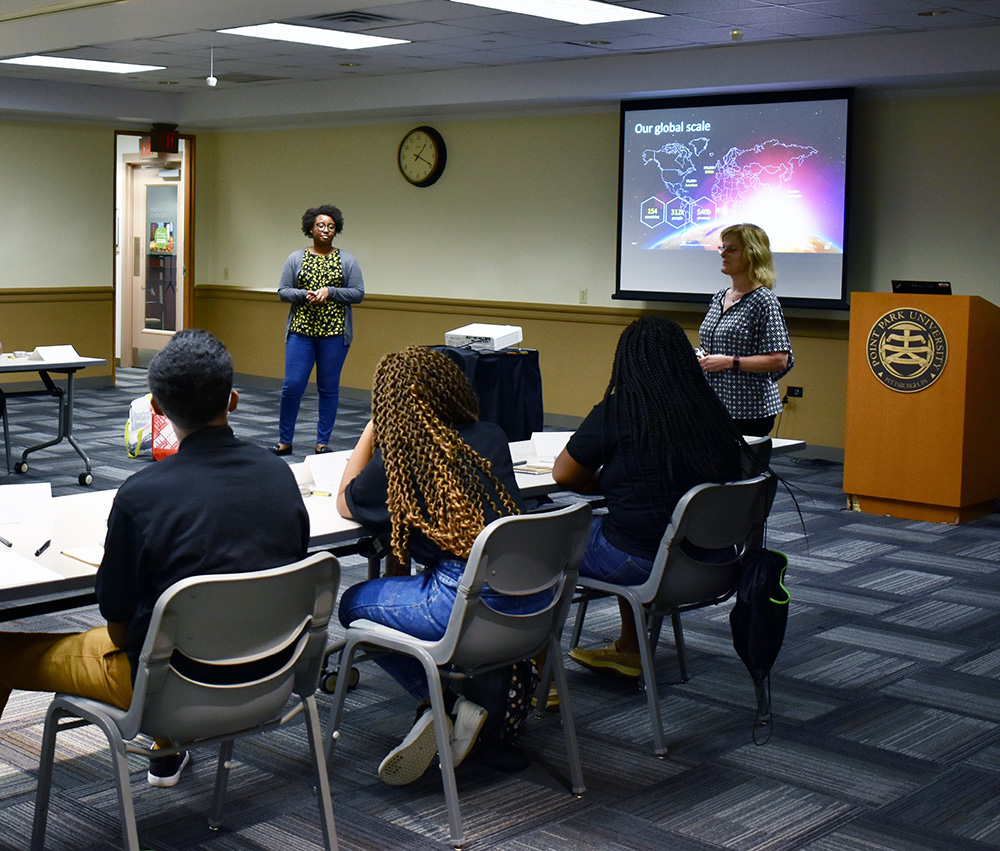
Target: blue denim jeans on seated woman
[(604, 561), (301, 352), (420, 605)]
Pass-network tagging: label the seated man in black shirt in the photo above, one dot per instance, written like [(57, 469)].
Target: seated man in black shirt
[(218, 506)]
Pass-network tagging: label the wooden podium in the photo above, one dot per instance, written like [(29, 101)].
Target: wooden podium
[(923, 407)]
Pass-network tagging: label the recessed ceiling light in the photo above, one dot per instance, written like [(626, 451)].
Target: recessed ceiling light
[(571, 11), (314, 35), (81, 64)]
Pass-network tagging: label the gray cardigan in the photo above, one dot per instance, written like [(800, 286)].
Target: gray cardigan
[(352, 292)]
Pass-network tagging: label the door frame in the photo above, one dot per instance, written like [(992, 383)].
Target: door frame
[(125, 255)]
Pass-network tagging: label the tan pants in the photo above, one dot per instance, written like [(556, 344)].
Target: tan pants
[(87, 664)]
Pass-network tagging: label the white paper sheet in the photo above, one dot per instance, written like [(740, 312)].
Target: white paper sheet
[(25, 505), (548, 444), (16, 570), (327, 470), (52, 354)]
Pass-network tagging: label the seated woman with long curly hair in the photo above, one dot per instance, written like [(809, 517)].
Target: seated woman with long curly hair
[(427, 470)]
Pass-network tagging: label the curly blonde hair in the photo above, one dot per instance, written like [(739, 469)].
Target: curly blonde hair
[(436, 480)]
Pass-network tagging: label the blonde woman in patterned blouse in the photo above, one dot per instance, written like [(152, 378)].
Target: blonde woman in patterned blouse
[(744, 341), (321, 282)]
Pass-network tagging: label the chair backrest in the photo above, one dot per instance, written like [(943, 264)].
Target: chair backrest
[(224, 653), (516, 556), (698, 560), (759, 456)]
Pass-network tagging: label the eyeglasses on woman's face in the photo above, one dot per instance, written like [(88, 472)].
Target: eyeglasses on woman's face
[(324, 227), (729, 249)]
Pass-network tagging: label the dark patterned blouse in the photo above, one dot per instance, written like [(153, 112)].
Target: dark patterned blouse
[(754, 325)]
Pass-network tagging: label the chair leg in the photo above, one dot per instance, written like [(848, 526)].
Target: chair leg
[(6, 432), (119, 764), (125, 805), (581, 613), (648, 675), (221, 781), (553, 663), (675, 619), (43, 792), (339, 696), (445, 761), (327, 826)]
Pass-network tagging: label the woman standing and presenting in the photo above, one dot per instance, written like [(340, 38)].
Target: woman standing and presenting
[(321, 282), (744, 338)]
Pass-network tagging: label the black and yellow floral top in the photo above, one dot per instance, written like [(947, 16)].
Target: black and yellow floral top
[(305, 272), (326, 319)]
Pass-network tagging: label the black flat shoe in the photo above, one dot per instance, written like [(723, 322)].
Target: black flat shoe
[(277, 450), (322, 449)]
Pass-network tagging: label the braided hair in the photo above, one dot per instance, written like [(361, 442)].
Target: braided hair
[(437, 482), (659, 396)]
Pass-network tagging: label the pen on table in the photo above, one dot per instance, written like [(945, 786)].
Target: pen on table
[(5, 542), (42, 548), (321, 493)]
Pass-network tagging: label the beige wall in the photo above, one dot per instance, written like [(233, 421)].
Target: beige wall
[(576, 346), (56, 206), (525, 211), (78, 316), (523, 219)]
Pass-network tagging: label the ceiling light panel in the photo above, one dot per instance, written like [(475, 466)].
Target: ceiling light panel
[(571, 11), (318, 36), (81, 64)]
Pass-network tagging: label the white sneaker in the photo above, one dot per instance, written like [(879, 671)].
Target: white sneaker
[(411, 757), (469, 720), (165, 771)]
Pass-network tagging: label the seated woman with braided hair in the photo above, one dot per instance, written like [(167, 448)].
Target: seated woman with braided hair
[(427, 470), (659, 431)]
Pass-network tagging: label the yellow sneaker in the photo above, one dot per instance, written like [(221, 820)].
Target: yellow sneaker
[(609, 660)]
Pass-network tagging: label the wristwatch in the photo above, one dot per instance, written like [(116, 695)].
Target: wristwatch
[(736, 363)]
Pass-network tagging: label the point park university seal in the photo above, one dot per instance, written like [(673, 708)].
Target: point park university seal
[(907, 350)]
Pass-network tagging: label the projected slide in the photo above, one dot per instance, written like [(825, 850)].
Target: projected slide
[(689, 171)]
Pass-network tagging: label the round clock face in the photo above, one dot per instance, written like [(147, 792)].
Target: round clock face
[(422, 156)]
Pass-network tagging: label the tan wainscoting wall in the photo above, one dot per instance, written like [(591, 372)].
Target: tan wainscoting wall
[(576, 346), (83, 317)]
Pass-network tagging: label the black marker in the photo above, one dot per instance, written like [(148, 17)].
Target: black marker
[(5, 542), (42, 548)]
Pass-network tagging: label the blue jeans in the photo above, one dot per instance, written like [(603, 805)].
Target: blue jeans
[(420, 605), (301, 352), (604, 561)]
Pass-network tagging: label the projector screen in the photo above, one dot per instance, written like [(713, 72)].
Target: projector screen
[(690, 167)]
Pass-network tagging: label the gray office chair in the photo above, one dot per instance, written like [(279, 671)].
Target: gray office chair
[(207, 679), (697, 564), (513, 555)]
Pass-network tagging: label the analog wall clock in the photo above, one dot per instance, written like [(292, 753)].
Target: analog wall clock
[(422, 155)]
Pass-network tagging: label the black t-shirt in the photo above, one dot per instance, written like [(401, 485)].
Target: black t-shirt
[(639, 506), (218, 506), (367, 494)]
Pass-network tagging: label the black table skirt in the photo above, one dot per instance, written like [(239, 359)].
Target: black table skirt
[(509, 385)]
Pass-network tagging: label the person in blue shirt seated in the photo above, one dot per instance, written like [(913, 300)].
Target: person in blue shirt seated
[(659, 431)]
